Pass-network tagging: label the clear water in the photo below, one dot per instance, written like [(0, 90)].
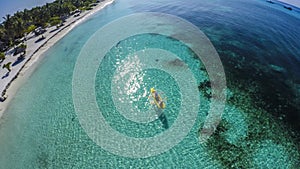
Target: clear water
[(259, 128)]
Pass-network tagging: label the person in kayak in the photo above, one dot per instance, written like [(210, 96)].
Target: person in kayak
[(157, 99)]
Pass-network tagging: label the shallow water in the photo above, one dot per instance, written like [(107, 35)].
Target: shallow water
[(258, 45)]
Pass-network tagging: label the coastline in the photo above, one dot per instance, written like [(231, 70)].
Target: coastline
[(36, 54), (291, 2)]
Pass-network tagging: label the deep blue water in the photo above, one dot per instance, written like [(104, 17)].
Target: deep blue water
[(259, 47)]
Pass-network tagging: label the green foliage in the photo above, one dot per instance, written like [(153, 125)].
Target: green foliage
[(7, 66), (83, 8), (30, 28), (15, 26), (23, 46), (2, 56), (55, 21), (89, 8)]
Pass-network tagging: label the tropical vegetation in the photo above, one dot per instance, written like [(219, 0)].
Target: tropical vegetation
[(14, 27), (7, 66), (2, 56)]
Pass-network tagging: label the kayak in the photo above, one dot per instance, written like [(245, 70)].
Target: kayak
[(157, 99)]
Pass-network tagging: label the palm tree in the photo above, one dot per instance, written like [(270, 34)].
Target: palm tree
[(19, 27), (24, 21), (8, 25), (6, 21), (27, 17), (7, 66)]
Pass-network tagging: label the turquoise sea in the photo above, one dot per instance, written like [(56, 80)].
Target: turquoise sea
[(258, 44)]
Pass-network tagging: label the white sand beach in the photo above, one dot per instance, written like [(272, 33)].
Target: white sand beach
[(21, 70)]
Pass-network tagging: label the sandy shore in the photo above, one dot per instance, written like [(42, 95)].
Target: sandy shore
[(34, 54)]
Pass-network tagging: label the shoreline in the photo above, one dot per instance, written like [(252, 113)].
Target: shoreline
[(291, 3), (26, 69)]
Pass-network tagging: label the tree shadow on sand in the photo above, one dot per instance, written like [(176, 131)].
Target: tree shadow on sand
[(40, 39), (5, 76), (19, 60)]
